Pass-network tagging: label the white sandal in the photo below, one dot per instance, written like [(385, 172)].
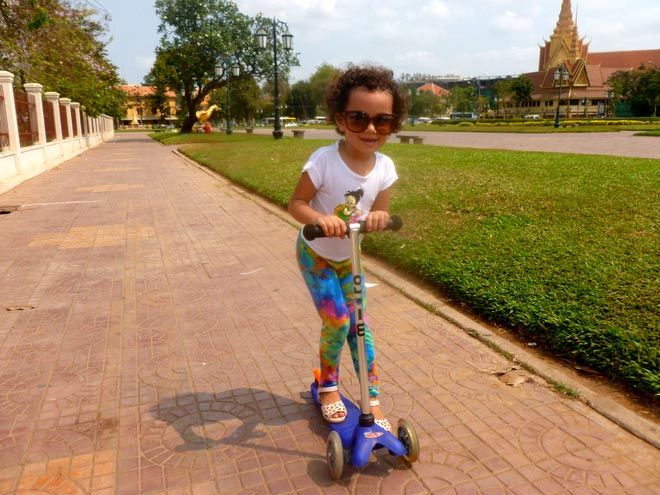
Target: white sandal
[(383, 422), (329, 410)]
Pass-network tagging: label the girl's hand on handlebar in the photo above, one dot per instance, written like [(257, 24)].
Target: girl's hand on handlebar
[(376, 220), (332, 225)]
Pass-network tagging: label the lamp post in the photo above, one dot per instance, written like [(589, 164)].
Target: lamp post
[(477, 86), (609, 111), (222, 71), (561, 75), (262, 43)]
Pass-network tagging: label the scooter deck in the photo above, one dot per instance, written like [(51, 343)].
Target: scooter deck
[(360, 440)]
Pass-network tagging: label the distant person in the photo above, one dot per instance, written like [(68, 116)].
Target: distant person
[(344, 182)]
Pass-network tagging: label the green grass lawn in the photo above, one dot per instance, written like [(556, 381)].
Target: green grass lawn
[(655, 133), (562, 249)]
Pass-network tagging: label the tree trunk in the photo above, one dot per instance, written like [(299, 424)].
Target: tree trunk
[(188, 123), (192, 103), (191, 118)]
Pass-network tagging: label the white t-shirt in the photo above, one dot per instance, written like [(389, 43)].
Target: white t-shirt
[(342, 192)]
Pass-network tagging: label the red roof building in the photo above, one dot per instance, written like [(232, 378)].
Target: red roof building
[(585, 92), (435, 89)]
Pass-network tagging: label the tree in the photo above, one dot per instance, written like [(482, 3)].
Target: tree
[(462, 98), (319, 82), (648, 85), (640, 88), (502, 91), (300, 101), (61, 47), (267, 104), (197, 36), (160, 72), (426, 104), (245, 97), (521, 89)]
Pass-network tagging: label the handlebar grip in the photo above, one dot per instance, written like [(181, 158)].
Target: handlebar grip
[(312, 231), (395, 223)]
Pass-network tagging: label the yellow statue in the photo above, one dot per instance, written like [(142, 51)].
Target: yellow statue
[(204, 115)]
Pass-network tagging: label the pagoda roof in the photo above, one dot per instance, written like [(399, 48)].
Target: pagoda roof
[(631, 59)]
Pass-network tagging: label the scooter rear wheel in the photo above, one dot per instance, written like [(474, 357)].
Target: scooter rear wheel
[(334, 454), (408, 437)]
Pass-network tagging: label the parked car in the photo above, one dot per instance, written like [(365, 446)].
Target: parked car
[(441, 119), (421, 120), (464, 116), (532, 116)]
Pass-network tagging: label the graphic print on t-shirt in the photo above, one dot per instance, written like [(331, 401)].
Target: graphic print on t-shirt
[(348, 210)]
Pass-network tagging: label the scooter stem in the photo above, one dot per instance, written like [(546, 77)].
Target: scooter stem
[(358, 292)]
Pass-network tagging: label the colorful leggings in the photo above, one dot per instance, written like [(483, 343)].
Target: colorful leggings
[(331, 285)]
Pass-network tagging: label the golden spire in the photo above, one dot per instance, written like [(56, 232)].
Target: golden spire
[(565, 45), (565, 25)]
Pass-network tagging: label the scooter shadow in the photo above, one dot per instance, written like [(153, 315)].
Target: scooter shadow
[(236, 417)]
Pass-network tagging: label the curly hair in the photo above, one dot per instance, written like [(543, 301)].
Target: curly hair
[(374, 78)]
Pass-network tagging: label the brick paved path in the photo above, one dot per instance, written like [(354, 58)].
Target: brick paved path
[(156, 337)]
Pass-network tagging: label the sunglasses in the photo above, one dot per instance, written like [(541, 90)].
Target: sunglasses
[(357, 121)]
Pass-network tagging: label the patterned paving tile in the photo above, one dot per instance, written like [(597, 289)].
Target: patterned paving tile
[(162, 342)]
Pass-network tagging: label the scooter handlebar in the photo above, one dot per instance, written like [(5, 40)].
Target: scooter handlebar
[(312, 231)]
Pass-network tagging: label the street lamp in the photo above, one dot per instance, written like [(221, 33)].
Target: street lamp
[(561, 75), (219, 72), (262, 43)]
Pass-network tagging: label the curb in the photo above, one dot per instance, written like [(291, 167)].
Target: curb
[(621, 416)]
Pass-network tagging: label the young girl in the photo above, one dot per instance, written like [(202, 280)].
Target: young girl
[(346, 181)]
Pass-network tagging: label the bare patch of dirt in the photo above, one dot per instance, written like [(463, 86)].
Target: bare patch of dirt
[(645, 407)]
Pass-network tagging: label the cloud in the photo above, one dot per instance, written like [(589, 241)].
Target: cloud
[(437, 9), (467, 37), (510, 21), (414, 57)]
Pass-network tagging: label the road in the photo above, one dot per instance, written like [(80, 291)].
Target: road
[(623, 143)]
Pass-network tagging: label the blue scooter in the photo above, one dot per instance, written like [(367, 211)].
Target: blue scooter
[(354, 439)]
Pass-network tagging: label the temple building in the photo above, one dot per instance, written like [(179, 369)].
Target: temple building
[(565, 59)]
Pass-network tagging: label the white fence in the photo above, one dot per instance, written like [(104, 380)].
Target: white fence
[(38, 131)]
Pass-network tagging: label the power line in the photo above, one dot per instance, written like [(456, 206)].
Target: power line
[(96, 5)]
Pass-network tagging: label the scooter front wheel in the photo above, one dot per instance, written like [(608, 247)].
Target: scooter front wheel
[(408, 437), (334, 454)]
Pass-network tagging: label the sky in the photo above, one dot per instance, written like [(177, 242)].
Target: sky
[(469, 38)]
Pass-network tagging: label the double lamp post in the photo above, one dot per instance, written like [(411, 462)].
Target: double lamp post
[(561, 75), (221, 71), (262, 43)]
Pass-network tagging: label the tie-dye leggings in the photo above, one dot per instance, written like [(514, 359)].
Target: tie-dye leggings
[(331, 285)]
